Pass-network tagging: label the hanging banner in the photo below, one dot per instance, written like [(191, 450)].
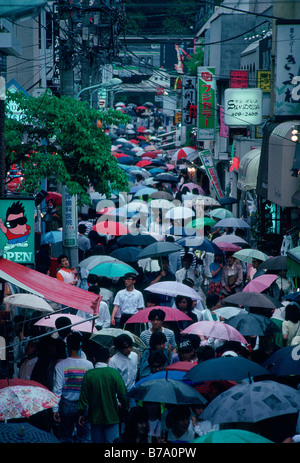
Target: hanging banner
[(17, 229), (69, 218), (206, 103), (208, 162), (239, 79), (189, 100)]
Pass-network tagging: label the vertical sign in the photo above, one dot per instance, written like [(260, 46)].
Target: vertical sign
[(189, 95), (224, 130), (264, 81), (69, 218), (287, 70), (238, 79), (208, 163), (206, 103), (17, 229)]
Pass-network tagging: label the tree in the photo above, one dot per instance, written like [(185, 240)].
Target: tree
[(197, 59), (60, 137)]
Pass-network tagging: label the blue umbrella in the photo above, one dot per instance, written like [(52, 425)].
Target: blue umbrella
[(206, 245), (145, 191), (155, 171), (284, 362), (25, 433), (52, 237), (126, 160), (136, 188), (172, 374)]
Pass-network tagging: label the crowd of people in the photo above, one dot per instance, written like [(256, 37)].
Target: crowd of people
[(93, 380)]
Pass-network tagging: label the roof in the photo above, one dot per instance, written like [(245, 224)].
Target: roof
[(19, 8), (48, 287)]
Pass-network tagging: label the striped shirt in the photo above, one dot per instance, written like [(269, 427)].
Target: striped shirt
[(146, 335)]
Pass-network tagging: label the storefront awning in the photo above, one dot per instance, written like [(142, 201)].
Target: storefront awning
[(48, 287), (248, 170), (293, 260)]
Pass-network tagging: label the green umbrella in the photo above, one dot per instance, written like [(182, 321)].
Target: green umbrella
[(200, 222), (106, 336), (221, 213), (247, 255), (231, 436), (112, 269)]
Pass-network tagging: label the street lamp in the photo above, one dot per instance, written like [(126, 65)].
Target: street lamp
[(108, 84)]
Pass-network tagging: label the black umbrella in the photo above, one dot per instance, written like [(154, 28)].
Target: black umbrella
[(284, 362), (225, 368), (127, 254), (251, 299), (168, 391), (227, 200), (136, 240), (250, 324), (167, 178), (274, 263), (25, 433), (159, 249)]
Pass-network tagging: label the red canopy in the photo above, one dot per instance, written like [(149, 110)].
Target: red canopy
[(48, 287)]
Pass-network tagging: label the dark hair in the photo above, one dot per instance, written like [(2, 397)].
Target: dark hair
[(157, 357), (156, 313), (82, 228), (212, 300), (130, 275), (152, 297), (15, 208), (74, 341), (99, 353), (62, 322), (157, 338), (189, 301), (135, 416), (205, 352), (61, 257), (187, 256), (124, 340), (292, 312), (176, 413), (94, 289)]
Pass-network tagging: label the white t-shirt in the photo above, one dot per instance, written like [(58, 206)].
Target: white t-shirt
[(129, 301), (126, 366)]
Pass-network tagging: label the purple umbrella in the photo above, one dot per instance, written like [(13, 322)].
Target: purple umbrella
[(173, 288)]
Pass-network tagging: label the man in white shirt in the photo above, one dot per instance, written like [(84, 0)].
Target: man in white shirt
[(187, 271), (125, 361), (127, 301)]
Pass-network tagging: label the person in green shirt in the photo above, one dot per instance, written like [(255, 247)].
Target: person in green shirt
[(101, 390)]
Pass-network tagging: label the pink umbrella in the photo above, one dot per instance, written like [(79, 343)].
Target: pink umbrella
[(214, 329), (180, 366), (191, 186), (49, 320), (183, 153), (259, 284), (172, 315), (228, 247), (108, 227)]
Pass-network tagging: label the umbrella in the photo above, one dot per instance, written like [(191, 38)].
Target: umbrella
[(90, 262), (179, 213), (136, 240), (205, 200), (165, 374), (200, 222), (228, 312), (232, 238), (227, 200), (106, 336), (274, 263), (167, 391), (110, 228), (78, 323), (162, 195), (172, 315), (55, 197), (52, 237), (284, 361), (215, 329), (250, 324), (252, 403), (252, 300), (221, 213), (167, 178), (144, 163), (141, 137), (25, 401), (182, 232), (158, 249), (112, 269), (126, 254), (29, 301), (173, 288), (225, 368), (183, 153), (200, 243), (247, 255), (25, 433), (19, 382), (228, 247), (259, 284), (231, 436), (180, 366), (192, 186), (232, 222), (145, 191)]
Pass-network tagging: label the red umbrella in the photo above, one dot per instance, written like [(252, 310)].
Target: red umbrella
[(141, 108), (181, 366), (56, 197), (141, 137), (110, 228), (183, 153), (19, 382), (134, 141), (228, 247), (120, 155), (143, 163), (172, 315), (149, 155), (141, 129)]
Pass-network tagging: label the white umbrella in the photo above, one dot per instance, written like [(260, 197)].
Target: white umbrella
[(29, 301), (180, 213), (232, 238), (173, 288), (227, 312)]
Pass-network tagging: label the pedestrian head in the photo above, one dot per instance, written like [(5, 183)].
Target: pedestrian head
[(99, 353), (157, 361), (292, 312), (152, 300), (63, 261), (74, 341), (212, 301), (63, 324), (94, 289), (158, 340), (82, 229), (123, 344)]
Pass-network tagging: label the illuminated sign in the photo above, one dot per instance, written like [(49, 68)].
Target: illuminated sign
[(243, 106), (206, 103)]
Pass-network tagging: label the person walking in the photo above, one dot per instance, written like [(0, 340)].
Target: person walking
[(127, 301), (102, 390)]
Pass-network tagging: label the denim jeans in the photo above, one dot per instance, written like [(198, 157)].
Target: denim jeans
[(104, 434), (68, 426)]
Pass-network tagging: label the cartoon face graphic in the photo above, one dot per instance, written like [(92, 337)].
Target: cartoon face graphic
[(15, 226)]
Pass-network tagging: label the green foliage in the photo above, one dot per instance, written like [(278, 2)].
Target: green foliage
[(59, 137), (197, 59)]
